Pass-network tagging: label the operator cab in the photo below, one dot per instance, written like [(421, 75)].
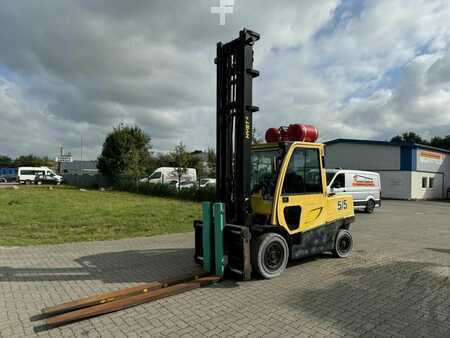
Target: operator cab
[(303, 173)]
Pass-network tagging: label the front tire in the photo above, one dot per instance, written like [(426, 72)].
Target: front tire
[(270, 255), (344, 244)]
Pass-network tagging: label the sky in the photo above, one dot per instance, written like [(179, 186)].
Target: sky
[(354, 69)]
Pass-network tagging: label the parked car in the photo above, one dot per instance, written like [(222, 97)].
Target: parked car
[(207, 182), (364, 186), (49, 178), (185, 185), (7, 178)]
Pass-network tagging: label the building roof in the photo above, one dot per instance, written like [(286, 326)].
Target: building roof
[(386, 143), (77, 165)]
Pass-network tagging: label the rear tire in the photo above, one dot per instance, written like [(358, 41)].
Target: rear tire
[(344, 244), (370, 206), (270, 255)]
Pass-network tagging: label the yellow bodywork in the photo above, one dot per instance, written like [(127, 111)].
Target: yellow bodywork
[(316, 209)]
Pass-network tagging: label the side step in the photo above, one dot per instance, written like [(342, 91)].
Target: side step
[(122, 299)]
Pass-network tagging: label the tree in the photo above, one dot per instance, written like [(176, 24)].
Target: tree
[(211, 161), (181, 159), (5, 161), (197, 162), (33, 161), (441, 142), (126, 151), (410, 137), (163, 160)]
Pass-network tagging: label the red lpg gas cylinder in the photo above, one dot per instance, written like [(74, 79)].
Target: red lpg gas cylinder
[(303, 133), (272, 135)]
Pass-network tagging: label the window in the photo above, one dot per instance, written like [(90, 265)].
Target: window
[(339, 181), (330, 175), (155, 175), (30, 172), (424, 182), (431, 182), (303, 173), (264, 166)]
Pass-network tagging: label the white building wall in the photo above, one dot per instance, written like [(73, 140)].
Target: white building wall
[(427, 192), (395, 184), (435, 162), (370, 157)]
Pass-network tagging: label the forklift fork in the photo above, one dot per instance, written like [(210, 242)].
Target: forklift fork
[(220, 246)]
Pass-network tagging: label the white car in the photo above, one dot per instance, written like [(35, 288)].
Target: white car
[(207, 182), (185, 185), (364, 186)]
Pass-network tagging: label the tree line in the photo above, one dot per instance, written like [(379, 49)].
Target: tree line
[(26, 161), (435, 141), (127, 151)]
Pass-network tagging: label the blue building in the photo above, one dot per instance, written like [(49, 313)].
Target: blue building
[(408, 171), (8, 171)]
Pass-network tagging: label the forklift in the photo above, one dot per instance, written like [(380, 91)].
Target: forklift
[(272, 203)]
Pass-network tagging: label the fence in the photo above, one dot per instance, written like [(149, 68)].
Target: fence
[(165, 190), (129, 184), (87, 181)]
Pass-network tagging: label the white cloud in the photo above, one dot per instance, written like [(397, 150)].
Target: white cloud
[(366, 69)]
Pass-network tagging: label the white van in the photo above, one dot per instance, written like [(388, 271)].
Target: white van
[(364, 186), (30, 175), (167, 175)]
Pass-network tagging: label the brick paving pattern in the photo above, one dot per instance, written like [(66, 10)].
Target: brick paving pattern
[(365, 295)]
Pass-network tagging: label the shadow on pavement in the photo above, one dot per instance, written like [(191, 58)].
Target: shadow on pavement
[(133, 266), (446, 251), (408, 298)]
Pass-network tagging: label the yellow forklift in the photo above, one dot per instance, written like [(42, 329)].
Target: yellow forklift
[(272, 203), (271, 206)]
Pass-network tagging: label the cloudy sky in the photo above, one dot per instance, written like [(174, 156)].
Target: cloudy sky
[(356, 69)]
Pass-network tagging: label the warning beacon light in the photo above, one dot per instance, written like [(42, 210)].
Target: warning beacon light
[(295, 132)]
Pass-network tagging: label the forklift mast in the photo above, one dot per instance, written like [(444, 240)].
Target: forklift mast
[(235, 75)]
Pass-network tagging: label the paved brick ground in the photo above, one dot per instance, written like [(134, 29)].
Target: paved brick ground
[(395, 284)]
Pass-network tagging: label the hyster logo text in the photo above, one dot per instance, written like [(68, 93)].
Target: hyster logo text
[(248, 128)]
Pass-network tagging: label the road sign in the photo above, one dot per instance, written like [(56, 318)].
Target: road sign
[(64, 158)]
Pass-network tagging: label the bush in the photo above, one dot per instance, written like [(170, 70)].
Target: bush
[(165, 190)]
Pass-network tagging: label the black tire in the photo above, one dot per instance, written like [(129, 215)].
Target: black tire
[(370, 206), (344, 244), (270, 255)]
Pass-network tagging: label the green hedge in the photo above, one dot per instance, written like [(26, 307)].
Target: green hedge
[(165, 190)]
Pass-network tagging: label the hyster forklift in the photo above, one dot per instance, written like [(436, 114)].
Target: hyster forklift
[(273, 204)]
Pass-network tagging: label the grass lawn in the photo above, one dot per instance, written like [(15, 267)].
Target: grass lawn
[(43, 216)]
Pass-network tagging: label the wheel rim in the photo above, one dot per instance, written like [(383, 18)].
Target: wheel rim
[(344, 245), (370, 205), (274, 256)]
